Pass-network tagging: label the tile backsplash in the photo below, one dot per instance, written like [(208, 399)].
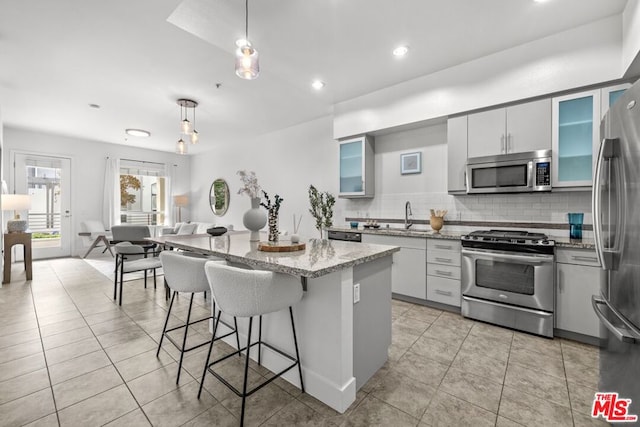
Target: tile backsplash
[(540, 207)]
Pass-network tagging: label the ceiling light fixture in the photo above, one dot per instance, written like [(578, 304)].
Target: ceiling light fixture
[(187, 128), (247, 58), (138, 132), (317, 84), (400, 51)]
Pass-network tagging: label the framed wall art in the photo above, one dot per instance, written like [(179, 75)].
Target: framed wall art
[(411, 163)]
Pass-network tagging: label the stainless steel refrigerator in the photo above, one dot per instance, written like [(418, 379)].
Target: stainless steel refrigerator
[(616, 223)]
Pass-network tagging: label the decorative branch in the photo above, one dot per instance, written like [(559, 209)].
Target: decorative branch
[(250, 184), (275, 207), (321, 208)]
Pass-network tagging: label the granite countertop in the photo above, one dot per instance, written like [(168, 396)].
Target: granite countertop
[(565, 242), (561, 242), (320, 257), (401, 232)]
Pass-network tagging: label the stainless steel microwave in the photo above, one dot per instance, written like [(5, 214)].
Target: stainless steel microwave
[(510, 173)]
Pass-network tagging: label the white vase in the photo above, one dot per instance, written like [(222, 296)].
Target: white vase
[(255, 219)]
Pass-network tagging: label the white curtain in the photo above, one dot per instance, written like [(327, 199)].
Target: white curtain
[(169, 174), (111, 202)]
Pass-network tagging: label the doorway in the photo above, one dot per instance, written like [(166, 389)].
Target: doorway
[(47, 179)]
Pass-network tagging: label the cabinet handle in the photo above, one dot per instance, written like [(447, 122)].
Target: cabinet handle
[(446, 293), (502, 144), (585, 258), (443, 247), (465, 179), (508, 142), (444, 273), (444, 259)]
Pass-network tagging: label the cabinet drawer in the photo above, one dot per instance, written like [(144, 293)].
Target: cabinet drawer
[(443, 245), (446, 291), (443, 257), (403, 242), (577, 256), (447, 271)]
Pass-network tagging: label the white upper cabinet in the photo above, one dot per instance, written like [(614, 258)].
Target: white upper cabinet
[(456, 154), (357, 167), (529, 126), (486, 133), (575, 138), (515, 129)]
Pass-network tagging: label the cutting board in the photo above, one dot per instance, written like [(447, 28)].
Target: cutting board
[(281, 247)]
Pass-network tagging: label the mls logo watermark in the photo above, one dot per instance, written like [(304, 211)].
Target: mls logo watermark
[(612, 408)]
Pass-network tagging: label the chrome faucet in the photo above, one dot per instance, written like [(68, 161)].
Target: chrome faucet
[(407, 214)]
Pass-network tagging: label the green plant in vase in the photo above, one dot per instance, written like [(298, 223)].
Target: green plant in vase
[(321, 208), (272, 213)]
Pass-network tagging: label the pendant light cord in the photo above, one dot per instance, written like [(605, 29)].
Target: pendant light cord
[(246, 20)]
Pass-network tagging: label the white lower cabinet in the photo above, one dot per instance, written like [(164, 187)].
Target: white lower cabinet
[(443, 271), (409, 273), (578, 277)]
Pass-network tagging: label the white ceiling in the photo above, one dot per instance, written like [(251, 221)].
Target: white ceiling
[(136, 57)]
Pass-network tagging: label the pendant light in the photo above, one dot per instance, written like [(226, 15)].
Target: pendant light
[(187, 128), (194, 134), (181, 147), (247, 60)]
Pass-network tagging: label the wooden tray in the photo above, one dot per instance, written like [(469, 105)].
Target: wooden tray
[(281, 247)]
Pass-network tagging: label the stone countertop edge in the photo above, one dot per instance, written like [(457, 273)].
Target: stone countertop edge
[(317, 273), (560, 242), (379, 252)]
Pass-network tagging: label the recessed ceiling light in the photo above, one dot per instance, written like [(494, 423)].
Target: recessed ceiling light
[(317, 84), (400, 51), (138, 132)]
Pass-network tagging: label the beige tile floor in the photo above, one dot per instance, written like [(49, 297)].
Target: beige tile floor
[(69, 356)]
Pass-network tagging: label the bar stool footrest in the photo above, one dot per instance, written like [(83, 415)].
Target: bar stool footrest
[(259, 386)]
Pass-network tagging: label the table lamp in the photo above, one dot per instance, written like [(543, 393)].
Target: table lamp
[(15, 203), (180, 201)]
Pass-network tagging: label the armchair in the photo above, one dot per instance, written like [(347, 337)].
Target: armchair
[(94, 234)]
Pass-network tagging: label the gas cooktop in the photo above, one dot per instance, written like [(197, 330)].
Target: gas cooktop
[(512, 240)]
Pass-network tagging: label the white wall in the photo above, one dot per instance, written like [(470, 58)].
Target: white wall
[(631, 39), (286, 162), (88, 159), (582, 56)]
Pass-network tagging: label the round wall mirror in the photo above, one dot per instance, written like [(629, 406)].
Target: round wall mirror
[(219, 197)]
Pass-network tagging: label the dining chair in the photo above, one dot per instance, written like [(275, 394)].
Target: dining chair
[(129, 259)]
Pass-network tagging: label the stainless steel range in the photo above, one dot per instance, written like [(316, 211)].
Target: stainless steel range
[(508, 279)]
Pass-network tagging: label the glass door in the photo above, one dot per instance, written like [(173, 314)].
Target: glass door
[(352, 167), (47, 180), (576, 121), (610, 95)]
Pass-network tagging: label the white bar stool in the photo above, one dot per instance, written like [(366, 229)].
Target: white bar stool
[(186, 274), (247, 293)]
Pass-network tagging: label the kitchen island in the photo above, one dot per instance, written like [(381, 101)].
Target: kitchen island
[(342, 342)]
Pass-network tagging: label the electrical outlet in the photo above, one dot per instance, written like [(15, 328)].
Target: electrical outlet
[(356, 293)]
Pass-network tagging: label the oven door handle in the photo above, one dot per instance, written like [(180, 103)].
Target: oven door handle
[(530, 259)]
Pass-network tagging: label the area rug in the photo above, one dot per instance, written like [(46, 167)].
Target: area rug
[(105, 264)]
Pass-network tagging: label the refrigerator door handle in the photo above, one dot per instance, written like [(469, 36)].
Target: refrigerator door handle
[(607, 153), (597, 206), (626, 334)]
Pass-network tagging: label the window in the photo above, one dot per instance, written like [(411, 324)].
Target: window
[(142, 193)]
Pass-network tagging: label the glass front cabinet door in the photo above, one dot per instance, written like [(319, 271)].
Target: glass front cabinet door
[(609, 96), (356, 167), (575, 139)]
